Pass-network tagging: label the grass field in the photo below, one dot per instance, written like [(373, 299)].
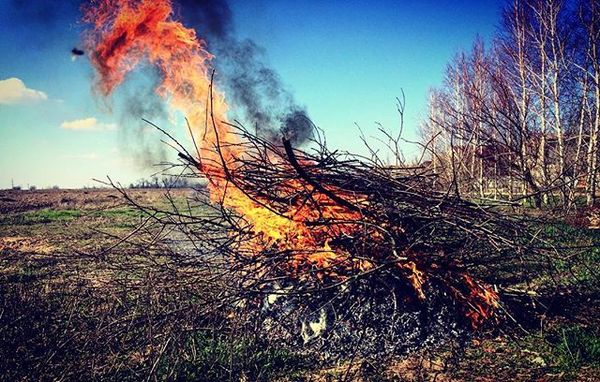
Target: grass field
[(75, 305)]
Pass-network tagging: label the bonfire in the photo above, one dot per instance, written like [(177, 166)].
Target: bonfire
[(320, 247)]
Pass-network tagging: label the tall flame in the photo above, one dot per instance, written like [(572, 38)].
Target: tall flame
[(128, 32)]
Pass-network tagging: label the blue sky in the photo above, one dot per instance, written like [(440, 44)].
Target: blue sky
[(345, 61)]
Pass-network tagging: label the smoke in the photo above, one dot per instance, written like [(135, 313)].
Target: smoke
[(297, 127), (139, 100), (211, 18), (252, 86)]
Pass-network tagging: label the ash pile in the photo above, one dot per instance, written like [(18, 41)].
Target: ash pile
[(367, 318)]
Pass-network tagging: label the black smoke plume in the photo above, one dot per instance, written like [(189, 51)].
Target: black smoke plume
[(254, 88)]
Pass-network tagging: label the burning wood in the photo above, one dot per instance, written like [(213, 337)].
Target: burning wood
[(351, 245), (320, 221)]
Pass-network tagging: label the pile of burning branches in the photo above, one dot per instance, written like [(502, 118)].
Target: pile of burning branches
[(318, 247), (336, 250)]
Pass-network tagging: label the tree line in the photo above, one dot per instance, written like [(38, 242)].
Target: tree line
[(520, 119)]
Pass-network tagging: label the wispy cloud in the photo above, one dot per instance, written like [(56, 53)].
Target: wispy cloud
[(13, 91), (87, 124)]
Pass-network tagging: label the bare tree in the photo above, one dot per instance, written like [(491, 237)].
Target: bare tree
[(524, 112), (590, 17)]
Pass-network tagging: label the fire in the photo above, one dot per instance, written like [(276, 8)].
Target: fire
[(416, 278), (126, 33), (482, 301)]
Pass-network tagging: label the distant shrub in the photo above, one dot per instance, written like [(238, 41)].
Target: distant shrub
[(166, 181)]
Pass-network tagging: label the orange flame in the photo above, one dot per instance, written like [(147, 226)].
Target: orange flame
[(416, 278), (481, 301), (128, 32)]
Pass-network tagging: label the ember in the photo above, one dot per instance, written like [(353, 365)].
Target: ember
[(353, 249)]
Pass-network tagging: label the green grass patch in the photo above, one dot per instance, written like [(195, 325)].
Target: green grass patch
[(220, 357), (121, 212), (565, 348), (576, 261), (42, 216), (47, 216), (573, 347)]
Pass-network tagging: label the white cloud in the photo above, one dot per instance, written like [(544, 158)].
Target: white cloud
[(13, 91), (87, 124)]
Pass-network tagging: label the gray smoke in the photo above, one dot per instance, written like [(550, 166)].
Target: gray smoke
[(139, 100), (255, 89)]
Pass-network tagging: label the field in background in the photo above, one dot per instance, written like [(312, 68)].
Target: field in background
[(74, 304)]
